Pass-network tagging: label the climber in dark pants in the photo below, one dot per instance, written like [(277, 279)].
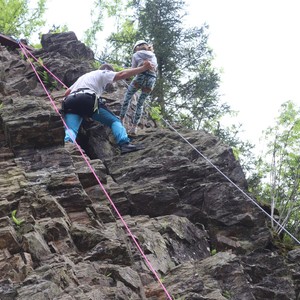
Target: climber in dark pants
[(82, 99)]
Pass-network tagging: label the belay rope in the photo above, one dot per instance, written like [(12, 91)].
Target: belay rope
[(226, 177), (236, 186), (25, 51)]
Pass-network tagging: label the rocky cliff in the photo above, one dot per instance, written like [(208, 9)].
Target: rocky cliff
[(202, 237)]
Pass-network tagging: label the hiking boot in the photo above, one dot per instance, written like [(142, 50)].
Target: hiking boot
[(133, 131), (128, 147)]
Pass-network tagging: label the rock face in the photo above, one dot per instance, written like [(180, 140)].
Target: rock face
[(96, 232)]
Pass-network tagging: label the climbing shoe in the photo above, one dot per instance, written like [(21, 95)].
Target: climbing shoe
[(128, 147)]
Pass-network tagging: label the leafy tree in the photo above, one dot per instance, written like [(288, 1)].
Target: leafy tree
[(121, 44), (195, 103), (187, 85), (107, 9), (166, 36), (97, 25), (19, 19), (278, 170), (242, 150)]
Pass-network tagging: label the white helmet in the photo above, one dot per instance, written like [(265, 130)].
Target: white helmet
[(140, 42)]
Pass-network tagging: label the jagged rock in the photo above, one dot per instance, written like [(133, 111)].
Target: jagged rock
[(65, 57), (67, 44), (97, 224), (219, 277), (8, 240), (40, 128), (34, 244), (260, 267)]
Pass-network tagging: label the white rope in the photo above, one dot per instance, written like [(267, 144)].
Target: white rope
[(236, 186), (227, 178)]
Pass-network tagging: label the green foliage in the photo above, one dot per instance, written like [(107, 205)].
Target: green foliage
[(19, 19), (37, 45), (121, 44), (278, 170), (112, 7), (288, 242), (58, 29), (101, 10), (14, 218), (196, 100), (242, 150), (117, 68), (115, 13), (46, 78), (236, 153), (155, 113), (186, 87), (213, 252), (166, 37), (226, 294), (187, 84), (96, 64), (90, 34)]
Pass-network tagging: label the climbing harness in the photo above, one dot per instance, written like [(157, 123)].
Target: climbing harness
[(25, 51)]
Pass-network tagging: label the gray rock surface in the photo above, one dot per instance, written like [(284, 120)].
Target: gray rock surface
[(200, 234)]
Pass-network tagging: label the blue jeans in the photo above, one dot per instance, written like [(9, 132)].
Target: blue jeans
[(103, 116), (146, 84)]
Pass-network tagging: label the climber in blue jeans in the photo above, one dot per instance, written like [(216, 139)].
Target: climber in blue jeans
[(82, 99)]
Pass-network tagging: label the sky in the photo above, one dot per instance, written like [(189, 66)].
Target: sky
[(256, 47)]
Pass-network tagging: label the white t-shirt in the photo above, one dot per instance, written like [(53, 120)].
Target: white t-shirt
[(95, 81)]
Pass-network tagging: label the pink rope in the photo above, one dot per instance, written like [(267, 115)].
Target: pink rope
[(43, 66), (24, 50)]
